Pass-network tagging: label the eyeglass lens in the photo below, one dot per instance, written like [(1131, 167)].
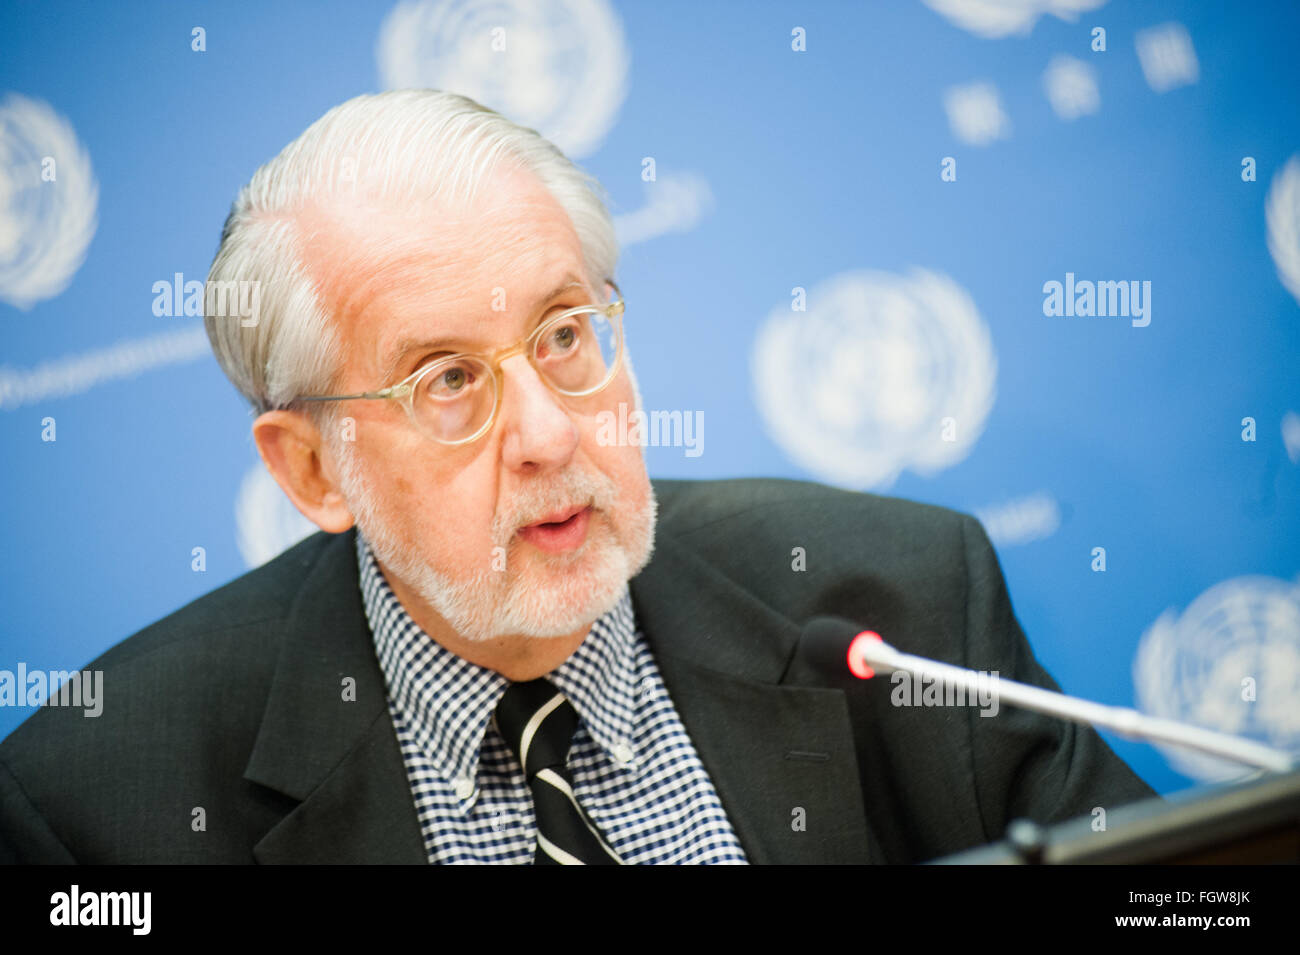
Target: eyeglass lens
[(575, 355)]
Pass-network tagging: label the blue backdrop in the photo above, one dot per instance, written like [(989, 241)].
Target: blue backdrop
[(885, 191)]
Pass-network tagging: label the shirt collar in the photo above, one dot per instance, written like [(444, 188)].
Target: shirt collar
[(447, 702)]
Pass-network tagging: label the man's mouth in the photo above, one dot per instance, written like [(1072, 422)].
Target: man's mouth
[(560, 532)]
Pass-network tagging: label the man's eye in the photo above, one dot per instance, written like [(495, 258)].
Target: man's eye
[(452, 381), (563, 339)]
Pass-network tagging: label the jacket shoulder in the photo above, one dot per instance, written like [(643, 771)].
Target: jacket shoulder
[(806, 550), (257, 597), (178, 703), (683, 504), (732, 521)]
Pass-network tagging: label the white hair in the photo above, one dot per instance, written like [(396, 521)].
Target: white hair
[(406, 145)]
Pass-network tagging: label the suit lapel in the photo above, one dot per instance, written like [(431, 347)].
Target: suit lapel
[(330, 743), (781, 757)]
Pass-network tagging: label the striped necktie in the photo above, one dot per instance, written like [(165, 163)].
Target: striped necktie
[(537, 722)]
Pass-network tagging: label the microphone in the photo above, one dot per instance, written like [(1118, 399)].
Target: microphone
[(830, 645), (865, 653)]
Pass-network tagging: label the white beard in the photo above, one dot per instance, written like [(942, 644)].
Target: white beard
[(579, 588)]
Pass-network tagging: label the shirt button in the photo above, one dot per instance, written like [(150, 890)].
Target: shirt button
[(624, 753), (464, 787)]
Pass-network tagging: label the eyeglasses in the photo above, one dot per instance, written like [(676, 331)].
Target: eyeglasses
[(454, 399)]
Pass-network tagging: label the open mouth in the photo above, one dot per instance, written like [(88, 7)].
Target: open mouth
[(558, 518), (560, 532)]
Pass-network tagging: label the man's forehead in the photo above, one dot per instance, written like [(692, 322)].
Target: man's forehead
[(389, 277), (352, 235)]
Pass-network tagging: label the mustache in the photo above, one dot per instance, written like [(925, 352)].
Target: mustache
[(534, 502)]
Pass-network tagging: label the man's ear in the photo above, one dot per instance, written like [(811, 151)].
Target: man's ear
[(291, 448)]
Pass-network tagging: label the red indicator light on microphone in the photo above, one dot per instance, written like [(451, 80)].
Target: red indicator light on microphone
[(856, 662)]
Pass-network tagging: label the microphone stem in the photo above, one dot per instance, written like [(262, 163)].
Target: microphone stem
[(1123, 720)]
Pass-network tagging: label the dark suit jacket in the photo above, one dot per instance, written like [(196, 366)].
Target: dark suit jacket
[(235, 704)]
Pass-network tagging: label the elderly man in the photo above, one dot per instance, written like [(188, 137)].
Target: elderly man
[(479, 661)]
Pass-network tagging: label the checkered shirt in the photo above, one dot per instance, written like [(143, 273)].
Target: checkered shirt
[(634, 768)]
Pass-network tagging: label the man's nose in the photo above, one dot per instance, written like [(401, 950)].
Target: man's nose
[(538, 434)]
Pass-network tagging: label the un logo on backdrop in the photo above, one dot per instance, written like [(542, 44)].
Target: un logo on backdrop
[(558, 66), (1231, 662), (882, 372), (48, 202), (1282, 213), (999, 18)]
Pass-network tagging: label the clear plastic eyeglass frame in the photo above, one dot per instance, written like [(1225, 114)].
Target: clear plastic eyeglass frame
[(406, 390)]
